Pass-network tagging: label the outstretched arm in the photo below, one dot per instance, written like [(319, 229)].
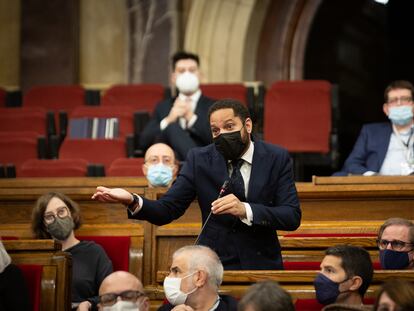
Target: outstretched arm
[(112, 195)]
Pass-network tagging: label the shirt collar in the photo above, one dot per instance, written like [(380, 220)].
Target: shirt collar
[(248, 155), (194, 98)]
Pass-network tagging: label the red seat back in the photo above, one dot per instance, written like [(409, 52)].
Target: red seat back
[(126, 167), (2, 97), (33, 276), (124, 114), (17, 149), (138, 96), (102, 151), (23, 119), (53, 168), (297, 115), (225, 90), (55, 97), (116, 247)]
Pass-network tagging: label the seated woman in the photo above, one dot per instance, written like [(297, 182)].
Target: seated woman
[(13, 290), (395, 295), (56, 216)]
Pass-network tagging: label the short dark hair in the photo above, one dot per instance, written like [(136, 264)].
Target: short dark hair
[(239, 109), (38, 226), (396, 221), (356, 262), (398, 84), (184, 55), (267, 295)]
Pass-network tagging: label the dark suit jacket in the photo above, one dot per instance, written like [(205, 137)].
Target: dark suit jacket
[(369, 150), (227, 303), (272, 196), (200, 131)]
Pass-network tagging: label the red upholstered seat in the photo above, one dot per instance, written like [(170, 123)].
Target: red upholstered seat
[(33, 276), (308, 305), (97, 151), (126, 167), (226, 90), (23, 119), (321, 235), (138, 96), (2, 97), (53, 168), (116, 247), (124, 114), (55, 97), (17, 149), (297, 115)]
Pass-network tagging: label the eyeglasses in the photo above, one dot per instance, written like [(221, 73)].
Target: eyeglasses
[(111, 298), (61, 212), (403, 100), (396, 245), (167, 160)]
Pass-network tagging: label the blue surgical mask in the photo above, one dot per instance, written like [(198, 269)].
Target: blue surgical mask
[(394, 260), (159, 175), (400, 115), (327, 291)]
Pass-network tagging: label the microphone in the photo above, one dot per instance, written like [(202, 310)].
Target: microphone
[(221, 193)]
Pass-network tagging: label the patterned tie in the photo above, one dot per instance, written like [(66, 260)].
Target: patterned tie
[(236, 180)]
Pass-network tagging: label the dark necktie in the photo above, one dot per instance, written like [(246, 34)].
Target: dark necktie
[(236, 180)]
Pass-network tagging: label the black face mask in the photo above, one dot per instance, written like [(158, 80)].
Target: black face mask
[(230, 145)]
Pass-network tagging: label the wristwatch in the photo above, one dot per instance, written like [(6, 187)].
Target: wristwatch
[(134, 202)]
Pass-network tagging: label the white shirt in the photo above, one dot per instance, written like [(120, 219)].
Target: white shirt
[(399, 156), (183, 122)]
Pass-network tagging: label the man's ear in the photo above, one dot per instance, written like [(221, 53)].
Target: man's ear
[(201, 278), (356, 283), (248, 123), (385, 109), (146, 304)]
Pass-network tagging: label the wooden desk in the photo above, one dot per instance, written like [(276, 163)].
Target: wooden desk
[(18, 196)]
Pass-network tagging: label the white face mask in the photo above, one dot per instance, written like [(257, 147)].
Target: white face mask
[(122, 305), (172, 290), (187, 82)]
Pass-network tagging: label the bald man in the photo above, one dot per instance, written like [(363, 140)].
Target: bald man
[(160, 166), (122, 290)]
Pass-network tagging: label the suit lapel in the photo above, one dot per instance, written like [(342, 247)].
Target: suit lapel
[(260, 164), (384, 143)]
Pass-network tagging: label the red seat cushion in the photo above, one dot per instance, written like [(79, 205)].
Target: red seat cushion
[(33, 277), (308, 305), (321, 235), (116, 247)]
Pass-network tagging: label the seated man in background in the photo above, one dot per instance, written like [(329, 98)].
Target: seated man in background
[(160, 166), (396, 244), (386, 148), (264, 296), (195, 276), (181, 122), (346, 273), (122, 290)]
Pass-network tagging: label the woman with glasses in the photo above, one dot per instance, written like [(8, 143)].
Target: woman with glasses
[(57, 216), (395, 295), (396, 244)]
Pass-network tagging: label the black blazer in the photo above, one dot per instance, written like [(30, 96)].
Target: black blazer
[(200, 131), (227, 303), (272, 196)]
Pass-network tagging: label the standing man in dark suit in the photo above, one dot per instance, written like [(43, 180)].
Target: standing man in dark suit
[(181, 122), (386, 148), (260, 197)]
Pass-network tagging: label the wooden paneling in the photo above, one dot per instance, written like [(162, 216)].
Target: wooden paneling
[(57, 270)]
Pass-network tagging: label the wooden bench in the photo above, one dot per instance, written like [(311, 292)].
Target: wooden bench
[(55, 289), (108, 232), (18, 196), (298, 283)]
